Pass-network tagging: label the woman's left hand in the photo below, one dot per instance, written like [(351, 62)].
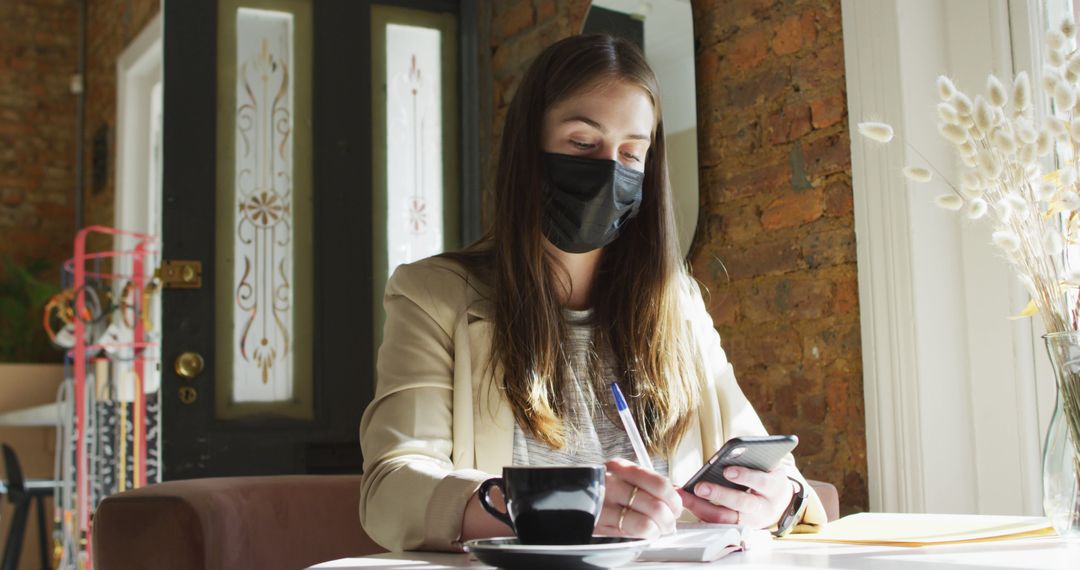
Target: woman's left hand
[(759, 507)]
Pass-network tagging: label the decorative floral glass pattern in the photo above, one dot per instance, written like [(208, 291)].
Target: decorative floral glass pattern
[(263, 253), (414, 144)]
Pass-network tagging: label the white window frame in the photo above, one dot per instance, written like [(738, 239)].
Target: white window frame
[(139, 68), (137, 205), (955, 394)]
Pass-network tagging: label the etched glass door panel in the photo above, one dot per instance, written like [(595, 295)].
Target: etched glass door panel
[(415, 140), (264, 279), (414, 176)]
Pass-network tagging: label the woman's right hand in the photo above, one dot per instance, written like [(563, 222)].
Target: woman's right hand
[(654, 509)]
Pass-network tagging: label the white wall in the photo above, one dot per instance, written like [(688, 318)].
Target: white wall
[(953, 411)]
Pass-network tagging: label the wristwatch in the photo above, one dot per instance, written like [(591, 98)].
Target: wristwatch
[(793, 511)]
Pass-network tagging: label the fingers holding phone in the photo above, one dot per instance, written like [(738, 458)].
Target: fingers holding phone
[(742, 483), (766, 497)]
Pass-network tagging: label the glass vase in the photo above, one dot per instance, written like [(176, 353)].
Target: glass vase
[(1061, 455)]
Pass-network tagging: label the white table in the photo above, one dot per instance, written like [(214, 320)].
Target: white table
[(1034, 554)]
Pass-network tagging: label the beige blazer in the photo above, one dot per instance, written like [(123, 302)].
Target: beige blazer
[(438, 425)]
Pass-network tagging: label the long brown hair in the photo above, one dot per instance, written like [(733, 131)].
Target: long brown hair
[(639, 316)]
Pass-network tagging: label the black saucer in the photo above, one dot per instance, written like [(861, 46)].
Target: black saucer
[(602, 552)]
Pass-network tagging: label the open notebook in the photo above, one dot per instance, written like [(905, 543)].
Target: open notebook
[(703, 542), (896, 529)]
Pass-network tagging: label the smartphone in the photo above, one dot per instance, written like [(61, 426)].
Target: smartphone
[(761, 452)]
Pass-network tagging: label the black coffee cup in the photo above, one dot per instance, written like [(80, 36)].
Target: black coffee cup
[(549, 505)]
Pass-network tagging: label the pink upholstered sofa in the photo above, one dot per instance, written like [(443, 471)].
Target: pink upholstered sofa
[(287, 522)]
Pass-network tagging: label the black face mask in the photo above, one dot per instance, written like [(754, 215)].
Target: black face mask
[(588, 201)]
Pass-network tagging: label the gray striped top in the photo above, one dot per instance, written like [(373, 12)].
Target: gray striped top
[(596, 433)]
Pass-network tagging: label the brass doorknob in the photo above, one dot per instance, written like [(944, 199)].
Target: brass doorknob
[(189, 365)]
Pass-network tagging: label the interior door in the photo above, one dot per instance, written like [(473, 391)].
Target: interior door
[(268, 184)]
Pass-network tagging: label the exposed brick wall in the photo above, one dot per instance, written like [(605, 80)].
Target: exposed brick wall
[(515, 31), (111, 26), (776, 212), (776, 241), (38, 56)]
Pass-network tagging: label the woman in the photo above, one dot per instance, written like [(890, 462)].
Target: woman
[(501, 354)]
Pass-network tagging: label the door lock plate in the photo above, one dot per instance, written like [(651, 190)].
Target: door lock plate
[(180, 274)]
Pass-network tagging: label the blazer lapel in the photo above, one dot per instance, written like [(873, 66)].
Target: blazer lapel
[(688, 455), (493, 421)]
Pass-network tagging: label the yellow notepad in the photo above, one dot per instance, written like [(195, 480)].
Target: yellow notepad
[(896, 529)]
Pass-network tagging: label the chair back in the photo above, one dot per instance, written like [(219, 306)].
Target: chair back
[(16, 485)]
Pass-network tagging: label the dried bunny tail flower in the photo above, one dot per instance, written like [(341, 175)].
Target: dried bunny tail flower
[(1050, 79), (971, 181), (966, 149), (876, 131), (1053, 243), (996, 91), (1022, 92), (1057, 128), (970, 160), (1045, 192), (989, 166), (1028, 153), (1025, 132), (1044, 143), (954, 133), (1018, 205), (1006, 240), (1004, 141), (1073, 64), (971, 193), (1074, 128), (1055, 40), (945, 88), (1004, 210), (1028, 284), (948, 113), (1064, 96), (984, 116), (1068, 201), (1068, 28), (976, 209), (962, 103), (1055, 57), (949, 202), (917, 174)]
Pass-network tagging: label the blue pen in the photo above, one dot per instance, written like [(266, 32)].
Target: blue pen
[(631, 428)]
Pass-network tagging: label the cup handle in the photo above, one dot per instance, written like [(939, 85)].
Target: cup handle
[(485, 500)]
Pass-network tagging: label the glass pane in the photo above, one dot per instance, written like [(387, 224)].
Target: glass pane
[(414, 144), (264, 210), (414, 108), (263, 273), (154, 163)]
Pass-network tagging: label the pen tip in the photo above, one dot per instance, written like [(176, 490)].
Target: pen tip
[(620, 403)]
